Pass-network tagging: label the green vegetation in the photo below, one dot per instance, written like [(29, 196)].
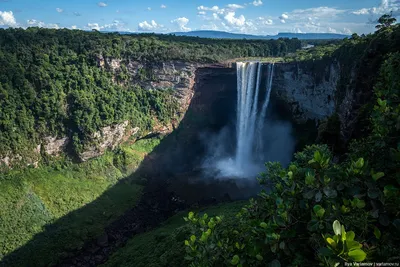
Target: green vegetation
[(77, 200), (163, 246), (52, 82), (291, 223)]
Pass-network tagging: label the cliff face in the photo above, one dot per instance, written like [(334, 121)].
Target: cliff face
[(307, 89), (307, 93), (176, 75)]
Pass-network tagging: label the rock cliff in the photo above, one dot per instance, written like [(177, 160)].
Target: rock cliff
[(308, 94)]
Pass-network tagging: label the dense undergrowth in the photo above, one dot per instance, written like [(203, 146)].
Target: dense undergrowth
[(163, 246), (33, 201)]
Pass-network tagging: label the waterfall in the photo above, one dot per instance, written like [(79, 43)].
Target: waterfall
[(248, 158), (249, 118)]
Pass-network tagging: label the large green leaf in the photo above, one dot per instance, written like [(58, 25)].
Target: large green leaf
[(319, 211), (330, 192), (377, 175), (235, 260), (357, 255), (390, 191), (337, 228), (350, 236)]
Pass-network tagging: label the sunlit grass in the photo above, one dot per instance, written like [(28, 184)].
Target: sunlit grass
[(96, 191)]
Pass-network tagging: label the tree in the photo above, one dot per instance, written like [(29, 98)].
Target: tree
[(385, 21)]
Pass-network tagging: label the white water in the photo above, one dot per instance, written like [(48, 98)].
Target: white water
[(249, 121)]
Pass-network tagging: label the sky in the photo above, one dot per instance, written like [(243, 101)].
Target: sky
[(262, 17)]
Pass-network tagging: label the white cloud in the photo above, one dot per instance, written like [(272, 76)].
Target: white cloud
[(202, 13), (317, 12), (283, 17), (94, 26), (181, 23), (148, 26), (386, 6), (149, 8), (362, 11), (34, 22), (265, 21), (41, 24), (213, 9), (101, 4), (257, 3), (234, 21), (59, 10), (163, 6), (74, 27), (7, 19), (234, 6), (116, 25)]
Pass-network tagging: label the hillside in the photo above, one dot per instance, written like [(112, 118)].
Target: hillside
[(228, 35)]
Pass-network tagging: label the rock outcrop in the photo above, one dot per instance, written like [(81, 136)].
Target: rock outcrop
[(308, 94), (54, 146), (108, 137)]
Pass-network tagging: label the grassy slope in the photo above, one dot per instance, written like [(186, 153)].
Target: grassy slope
[(32, 199), (164, 246)]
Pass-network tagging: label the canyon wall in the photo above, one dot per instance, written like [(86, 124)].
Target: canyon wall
[(308, 94), (308, 90)]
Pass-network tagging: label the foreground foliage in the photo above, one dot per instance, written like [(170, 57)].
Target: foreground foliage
[(291, 222)]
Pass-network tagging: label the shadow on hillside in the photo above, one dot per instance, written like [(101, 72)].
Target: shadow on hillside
[(70, 240)]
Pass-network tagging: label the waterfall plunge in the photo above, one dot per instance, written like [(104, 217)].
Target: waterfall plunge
[(249, 122)]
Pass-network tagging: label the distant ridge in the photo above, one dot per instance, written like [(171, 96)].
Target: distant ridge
[(228, 35)]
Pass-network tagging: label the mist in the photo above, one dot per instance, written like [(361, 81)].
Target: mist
[(240, 149)]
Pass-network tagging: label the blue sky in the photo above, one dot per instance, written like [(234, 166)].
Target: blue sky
[(240, 16)]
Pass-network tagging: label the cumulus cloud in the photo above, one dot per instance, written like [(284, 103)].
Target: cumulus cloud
[(149, 8), (59, 10), (94, 26), (181, 23), (163, 6), (234, 21), (283, 18), (41, 24), (116, 25), (265, 21), (148, 26), (202, 13), (234, 6), (74, 27), (386, 6), (7, 19), (257, 3), (213, 9), (101, 4)]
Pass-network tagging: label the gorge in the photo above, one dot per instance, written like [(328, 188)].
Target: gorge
[(117, 135)]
